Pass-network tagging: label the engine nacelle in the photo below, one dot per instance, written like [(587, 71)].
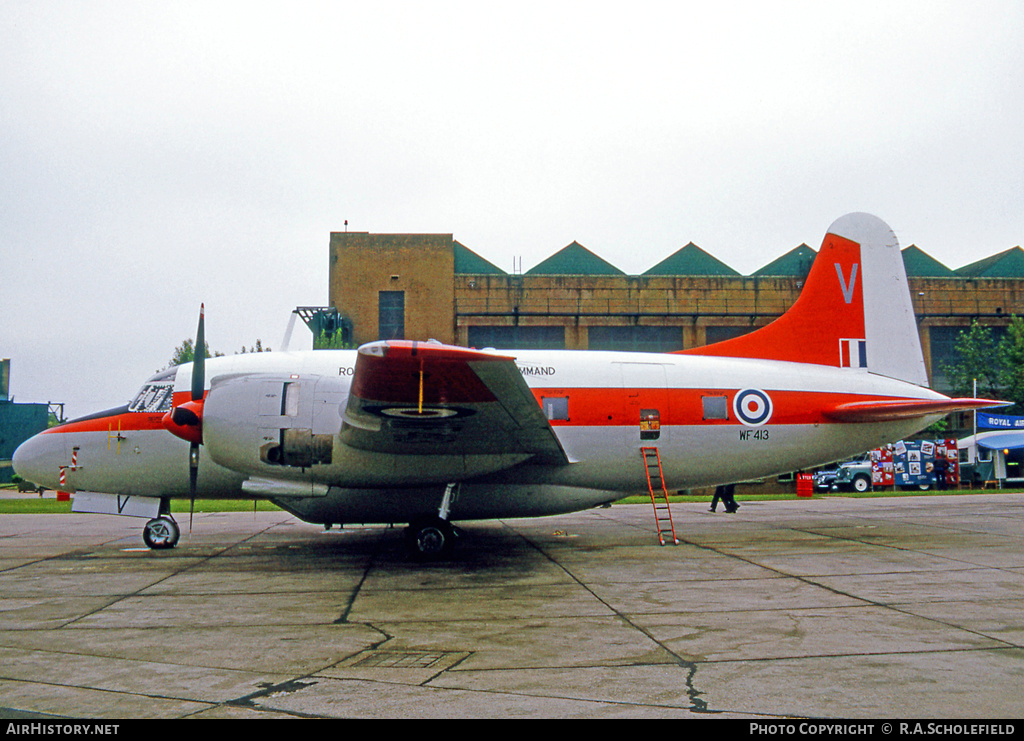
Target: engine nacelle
[(288, 427), (273, 425)]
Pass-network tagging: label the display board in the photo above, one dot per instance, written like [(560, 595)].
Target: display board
[(913, 463)]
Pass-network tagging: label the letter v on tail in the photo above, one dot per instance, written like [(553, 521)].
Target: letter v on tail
[(847, 289)]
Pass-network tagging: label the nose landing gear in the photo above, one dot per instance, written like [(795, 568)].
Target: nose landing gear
[(161, 532)]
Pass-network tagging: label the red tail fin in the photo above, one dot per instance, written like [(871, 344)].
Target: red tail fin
[(854, 310)]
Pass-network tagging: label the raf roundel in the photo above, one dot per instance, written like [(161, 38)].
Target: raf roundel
[(753, 407)]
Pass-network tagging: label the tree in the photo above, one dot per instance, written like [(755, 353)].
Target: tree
[(979, 359), (258, 348), (332, 342), (186, 353), (996, 364), (1011, 351)]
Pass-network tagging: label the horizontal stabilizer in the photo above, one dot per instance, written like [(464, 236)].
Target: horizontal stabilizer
[(888, 411)]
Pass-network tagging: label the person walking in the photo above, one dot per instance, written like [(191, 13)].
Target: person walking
[(725, 493)]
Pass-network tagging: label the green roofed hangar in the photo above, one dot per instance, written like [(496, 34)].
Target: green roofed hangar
[(423, 286)]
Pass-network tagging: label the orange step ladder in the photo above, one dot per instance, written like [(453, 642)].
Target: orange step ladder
[(662, 511)]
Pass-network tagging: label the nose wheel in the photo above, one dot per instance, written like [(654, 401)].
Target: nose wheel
[(161, 532)]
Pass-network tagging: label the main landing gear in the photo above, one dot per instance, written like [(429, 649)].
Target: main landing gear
[(432, 536), (429, 538), (161, 532)]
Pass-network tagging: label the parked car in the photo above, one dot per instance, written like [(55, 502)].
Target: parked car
[(823, 480), (853, 476)]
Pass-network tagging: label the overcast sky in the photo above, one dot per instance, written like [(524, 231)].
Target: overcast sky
[(155, 155)]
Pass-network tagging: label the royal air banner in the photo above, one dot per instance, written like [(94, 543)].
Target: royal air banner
[(1000, 422)]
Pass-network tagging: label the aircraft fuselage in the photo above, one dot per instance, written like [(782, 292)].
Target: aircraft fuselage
[(713, 420)]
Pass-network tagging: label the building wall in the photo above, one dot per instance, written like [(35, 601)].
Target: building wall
[(421, 265), (18, 422), (560, 310), (577, 302)]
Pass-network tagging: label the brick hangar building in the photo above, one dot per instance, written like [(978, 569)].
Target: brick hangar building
[(422, 286)]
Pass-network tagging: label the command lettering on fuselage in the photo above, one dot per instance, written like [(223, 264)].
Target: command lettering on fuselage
[(536, 370), (346, 370)]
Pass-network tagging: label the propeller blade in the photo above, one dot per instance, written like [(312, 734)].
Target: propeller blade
[(193, 469), (193, 476), (199, 361), (186, 420)]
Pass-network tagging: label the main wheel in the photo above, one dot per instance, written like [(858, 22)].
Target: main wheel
[(161, 532), (429, 538)]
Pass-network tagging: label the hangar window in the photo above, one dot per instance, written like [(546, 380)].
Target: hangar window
[(391, 315), (715, 334), (639, 338), (517, 338)]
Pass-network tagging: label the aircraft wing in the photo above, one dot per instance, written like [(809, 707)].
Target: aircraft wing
[(890, 410), (426, 398)]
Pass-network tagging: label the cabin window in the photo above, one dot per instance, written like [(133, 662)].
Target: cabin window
[(715, 407), (556, 407), (650, 424)]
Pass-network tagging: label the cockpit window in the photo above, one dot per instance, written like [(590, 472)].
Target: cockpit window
[(153, 397), (156, 393), (166, 375)]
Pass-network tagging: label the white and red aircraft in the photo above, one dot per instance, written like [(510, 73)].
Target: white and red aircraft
[(425, 433)]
